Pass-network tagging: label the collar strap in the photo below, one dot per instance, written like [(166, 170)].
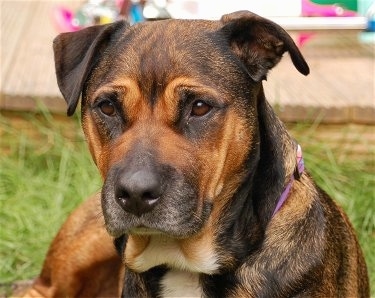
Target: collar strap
[(296, 175)]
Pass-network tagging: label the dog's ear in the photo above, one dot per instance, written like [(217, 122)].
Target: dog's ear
[(75, 55), (260, 43)]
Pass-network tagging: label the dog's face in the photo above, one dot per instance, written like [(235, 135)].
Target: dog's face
[(170, 111), (173, 130)]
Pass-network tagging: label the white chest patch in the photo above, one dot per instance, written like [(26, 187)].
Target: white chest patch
[(178, 283), (166, 251)]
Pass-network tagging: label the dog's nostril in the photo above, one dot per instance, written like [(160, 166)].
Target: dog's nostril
[(124, 195), (149, 196)]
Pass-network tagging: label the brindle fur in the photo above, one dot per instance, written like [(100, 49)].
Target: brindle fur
[(221, 174)]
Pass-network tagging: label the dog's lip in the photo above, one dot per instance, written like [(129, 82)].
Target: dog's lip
[(143, 230)]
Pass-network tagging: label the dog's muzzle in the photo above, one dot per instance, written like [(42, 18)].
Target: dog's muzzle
[(143, 196)]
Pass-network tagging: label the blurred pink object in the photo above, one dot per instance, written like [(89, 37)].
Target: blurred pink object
[(310, 9), (63, 19)]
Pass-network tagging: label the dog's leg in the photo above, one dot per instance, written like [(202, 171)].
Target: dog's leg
[(82, 260)]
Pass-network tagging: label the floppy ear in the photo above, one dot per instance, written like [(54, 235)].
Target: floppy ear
[(75, 55), (260, 43)]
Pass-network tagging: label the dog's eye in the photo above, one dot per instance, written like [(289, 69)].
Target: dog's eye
[(107, 108), (200, 108)]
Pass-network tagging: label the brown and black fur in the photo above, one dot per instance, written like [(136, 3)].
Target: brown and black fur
[(214, 173), (81, 261)]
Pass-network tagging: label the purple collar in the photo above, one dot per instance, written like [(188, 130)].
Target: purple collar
[(296, 175)]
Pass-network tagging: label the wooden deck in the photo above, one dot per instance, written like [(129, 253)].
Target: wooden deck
[(340, 88)]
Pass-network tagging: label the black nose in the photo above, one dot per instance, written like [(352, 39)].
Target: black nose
[(138, 192)]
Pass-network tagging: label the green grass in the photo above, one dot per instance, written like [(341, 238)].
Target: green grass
[(344, 166), (46, 171)]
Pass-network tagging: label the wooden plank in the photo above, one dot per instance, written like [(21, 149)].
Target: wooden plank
[(339, 89), (15, 17), (340, 86), (321, 23), (32, 68)]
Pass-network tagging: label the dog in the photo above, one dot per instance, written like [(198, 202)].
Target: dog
[(204, 191)]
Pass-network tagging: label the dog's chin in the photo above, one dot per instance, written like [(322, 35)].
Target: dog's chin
[(177, 221), (143, 231), (178, 230)]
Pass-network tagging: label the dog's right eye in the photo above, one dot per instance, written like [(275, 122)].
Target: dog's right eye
[(108, 115), (107, 108), (200, 108)]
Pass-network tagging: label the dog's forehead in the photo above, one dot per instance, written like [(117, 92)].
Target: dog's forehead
[(163, 40), (154, 53), (178, 35)]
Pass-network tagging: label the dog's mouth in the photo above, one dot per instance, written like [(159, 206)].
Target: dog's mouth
[(178, 211), (140, 195), (172, 218)]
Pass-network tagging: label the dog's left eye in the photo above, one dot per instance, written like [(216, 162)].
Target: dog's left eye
[(200, 108), (107, 108)]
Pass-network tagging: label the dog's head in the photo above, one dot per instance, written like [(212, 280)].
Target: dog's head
[(175, 117)]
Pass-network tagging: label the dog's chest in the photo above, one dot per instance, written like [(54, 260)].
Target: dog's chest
[(176, 283), (166, 251)]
